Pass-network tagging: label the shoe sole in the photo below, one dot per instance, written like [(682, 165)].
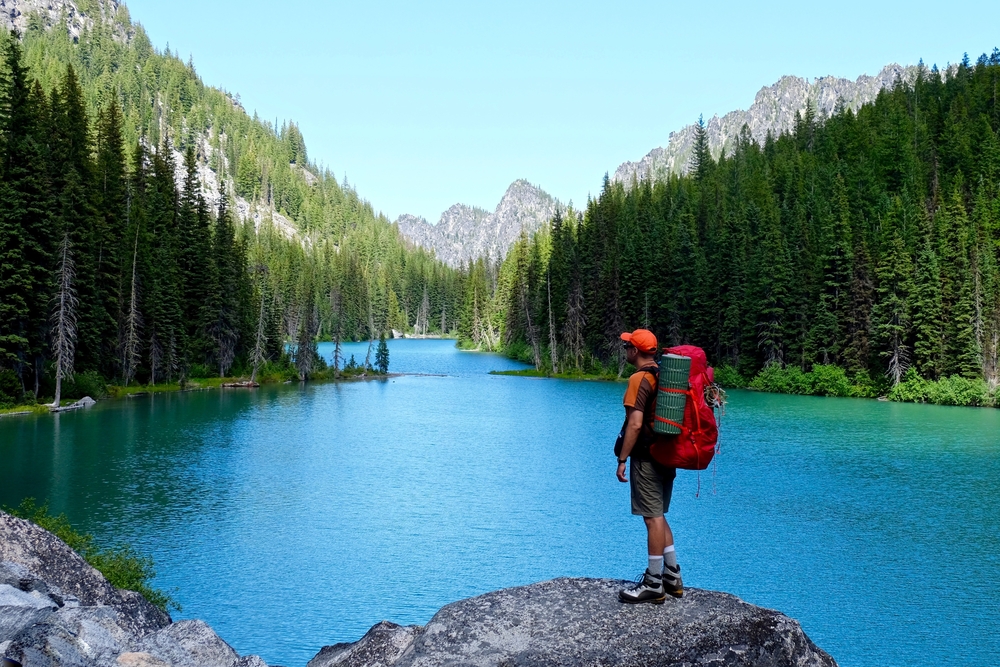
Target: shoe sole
[(676, 594), (649, 600)]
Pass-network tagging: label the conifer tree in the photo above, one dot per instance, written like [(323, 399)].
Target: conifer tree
[(927, 311), (26, 246), (891, 315), (382, 355), (230, 264), (111, 203), (827, 337)]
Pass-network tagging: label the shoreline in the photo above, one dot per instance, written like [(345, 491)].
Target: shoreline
[(943, 392), (118, 392)]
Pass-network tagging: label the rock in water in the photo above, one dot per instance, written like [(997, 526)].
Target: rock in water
[(581, 622)]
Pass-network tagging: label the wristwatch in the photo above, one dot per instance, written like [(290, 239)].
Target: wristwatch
[(622, 460)]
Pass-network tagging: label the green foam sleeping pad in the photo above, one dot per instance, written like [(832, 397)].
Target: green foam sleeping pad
[(674, 372)]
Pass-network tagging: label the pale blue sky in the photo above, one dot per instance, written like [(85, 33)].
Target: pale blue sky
[(427, 104)]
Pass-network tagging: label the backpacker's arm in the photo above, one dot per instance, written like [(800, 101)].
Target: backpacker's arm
[(633, 426)]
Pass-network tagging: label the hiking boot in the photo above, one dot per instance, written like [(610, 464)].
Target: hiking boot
[(648, 588), (672, 584)]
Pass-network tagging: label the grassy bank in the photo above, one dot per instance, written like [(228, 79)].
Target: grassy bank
[(120, 565), (93, 385), (821, 380), (829, 380)]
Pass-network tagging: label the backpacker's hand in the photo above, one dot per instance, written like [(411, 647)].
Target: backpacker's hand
[(621, 472)]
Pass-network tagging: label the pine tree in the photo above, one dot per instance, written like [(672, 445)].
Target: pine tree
[(27, 242), (382, 355), (701, 156), (960, 353), (859, 323), (827, 337), (111, 266), (197, 266), (230, 264), (259, 355), (927, 311), (891, 315), (775, 275)]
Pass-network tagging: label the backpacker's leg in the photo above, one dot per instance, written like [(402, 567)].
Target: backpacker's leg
[(672, 583)]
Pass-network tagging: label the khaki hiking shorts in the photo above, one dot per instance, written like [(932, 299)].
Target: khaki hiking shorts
[(652, 485)]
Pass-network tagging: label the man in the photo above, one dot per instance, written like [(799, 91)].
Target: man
[(651, 483)]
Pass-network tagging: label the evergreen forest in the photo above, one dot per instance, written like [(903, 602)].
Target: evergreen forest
[(151, 231), (119, 265), (856, 254)]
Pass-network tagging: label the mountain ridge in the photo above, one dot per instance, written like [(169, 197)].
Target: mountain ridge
[(773, 110), (465, 233)]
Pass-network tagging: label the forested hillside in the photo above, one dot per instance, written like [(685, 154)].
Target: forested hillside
[(134, 265), (868, 242)]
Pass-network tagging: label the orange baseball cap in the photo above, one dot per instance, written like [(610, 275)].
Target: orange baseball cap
[(642, 339)]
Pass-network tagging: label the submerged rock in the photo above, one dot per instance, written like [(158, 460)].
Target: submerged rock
[(581, 622)]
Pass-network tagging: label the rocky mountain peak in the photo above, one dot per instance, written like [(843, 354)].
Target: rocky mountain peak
[(465, 233), (773, 110), (18, 14)]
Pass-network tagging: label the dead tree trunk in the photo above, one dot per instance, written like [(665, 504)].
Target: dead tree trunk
[(133, 322), (64, 317)]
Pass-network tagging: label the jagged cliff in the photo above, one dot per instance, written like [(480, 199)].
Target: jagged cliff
[(773, 110), (464, 232), (15, 15)]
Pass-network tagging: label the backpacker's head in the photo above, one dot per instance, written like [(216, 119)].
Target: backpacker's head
[(640, 347)]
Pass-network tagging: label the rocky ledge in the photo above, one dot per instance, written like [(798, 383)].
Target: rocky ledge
[(581, 622), (57, 610)]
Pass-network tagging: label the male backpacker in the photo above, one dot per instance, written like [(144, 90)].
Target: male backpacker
[(655, 457)]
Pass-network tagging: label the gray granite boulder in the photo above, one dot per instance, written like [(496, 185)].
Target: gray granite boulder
[(51, 566), (581, 622), (56, 611), (189, 644), (381, 646)]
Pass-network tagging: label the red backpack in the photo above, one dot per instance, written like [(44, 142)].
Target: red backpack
[(694, 447)]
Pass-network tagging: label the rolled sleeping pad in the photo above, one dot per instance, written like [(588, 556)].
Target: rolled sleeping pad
[(674, 373)]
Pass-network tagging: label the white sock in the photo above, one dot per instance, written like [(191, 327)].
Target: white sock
[(656, 565), (670, 556)]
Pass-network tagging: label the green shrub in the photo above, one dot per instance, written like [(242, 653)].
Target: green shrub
[(957, 390), (88, 383), (913, 389), (828, 380), (121, 566), (863, 385), (787, 380), (200, 371), (823, 380), (727, 376), (11, 393)]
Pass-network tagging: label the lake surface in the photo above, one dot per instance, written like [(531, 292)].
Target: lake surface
[(291, 517)]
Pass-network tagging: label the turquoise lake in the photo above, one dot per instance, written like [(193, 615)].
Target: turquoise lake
[(295, 516)]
